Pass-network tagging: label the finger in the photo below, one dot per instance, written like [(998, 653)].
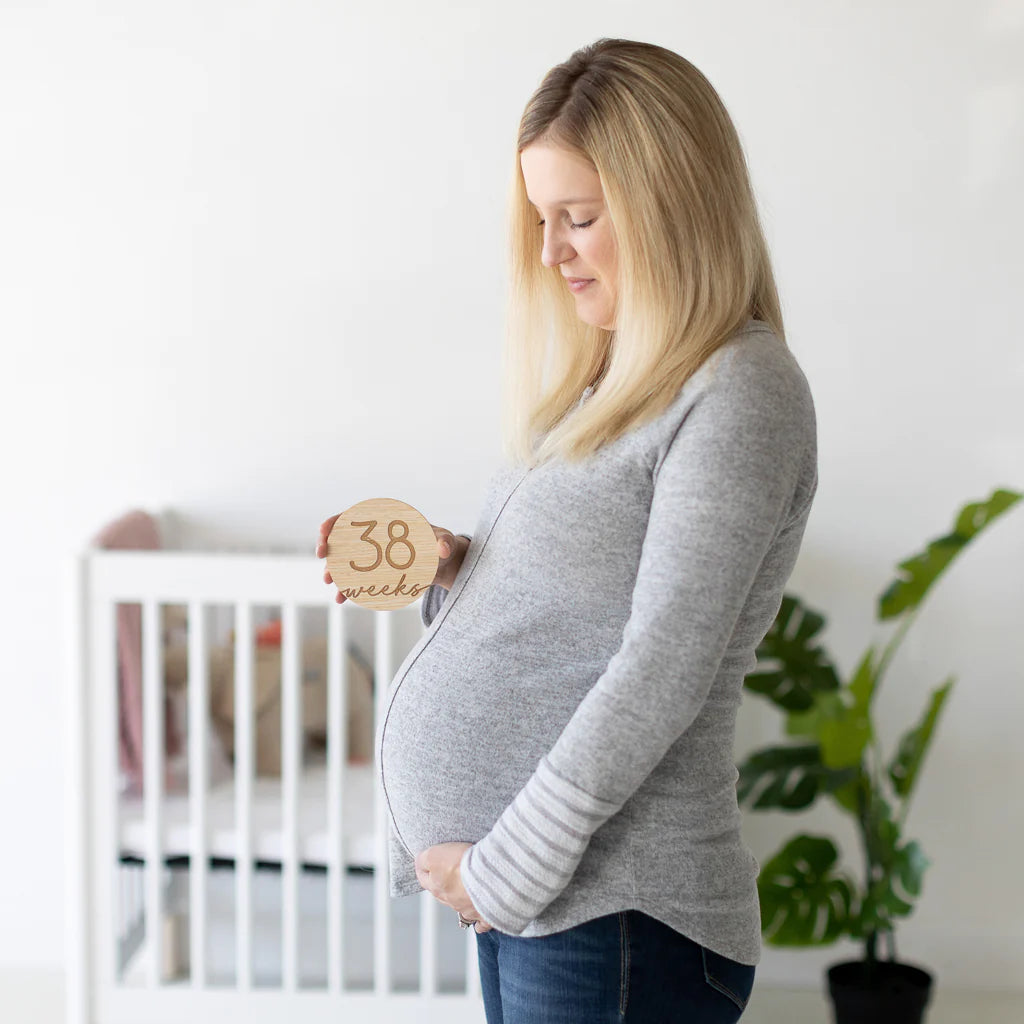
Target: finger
[(325, 531), (445, 541), (328, 578), (482, 926)]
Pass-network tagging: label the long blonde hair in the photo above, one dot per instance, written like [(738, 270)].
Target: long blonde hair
[(693, 264)]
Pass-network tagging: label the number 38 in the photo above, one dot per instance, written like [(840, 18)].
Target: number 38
[(395, 538)]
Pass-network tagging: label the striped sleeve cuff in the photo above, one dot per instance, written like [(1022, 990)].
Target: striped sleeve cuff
[(435, 596), (527, 859)]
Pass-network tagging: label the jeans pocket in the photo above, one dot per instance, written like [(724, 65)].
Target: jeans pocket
[(734, 980)]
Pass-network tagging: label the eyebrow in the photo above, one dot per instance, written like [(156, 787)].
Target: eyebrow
[(568, 202)]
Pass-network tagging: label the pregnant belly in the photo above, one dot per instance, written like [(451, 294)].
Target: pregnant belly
[(462, 735)]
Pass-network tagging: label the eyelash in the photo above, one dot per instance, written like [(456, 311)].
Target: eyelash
[(585, 224)]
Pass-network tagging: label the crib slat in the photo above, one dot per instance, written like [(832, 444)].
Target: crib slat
[(337, 757), (198, 783), (383, 671), (291, 726), (153, 785), (428, 944), (77, 740), (243, 793), (106, 824)]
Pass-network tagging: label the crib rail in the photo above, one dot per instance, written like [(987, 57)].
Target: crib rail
[(109, 914)]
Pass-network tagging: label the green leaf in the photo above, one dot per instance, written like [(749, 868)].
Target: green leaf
[(803, 901), (809, 723), (786, 778), (895, 890), (895, 871), (851, 795), (913, 745), (910, 868), (882, 831), (921, 570), (840, 721), (791, 668), (862, 685)]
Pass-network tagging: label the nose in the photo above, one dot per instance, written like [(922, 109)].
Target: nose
[(556, 248)]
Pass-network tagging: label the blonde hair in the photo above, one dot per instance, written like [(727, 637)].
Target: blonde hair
[(693, 264)]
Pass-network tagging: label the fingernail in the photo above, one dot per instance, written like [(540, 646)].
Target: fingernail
[(446, 548)]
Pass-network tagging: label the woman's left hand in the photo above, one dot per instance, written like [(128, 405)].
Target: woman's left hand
[(438, 871)]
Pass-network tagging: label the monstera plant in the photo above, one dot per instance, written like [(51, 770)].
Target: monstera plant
[(807, 897)]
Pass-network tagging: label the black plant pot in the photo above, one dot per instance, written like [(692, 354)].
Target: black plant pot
[(894, 993)]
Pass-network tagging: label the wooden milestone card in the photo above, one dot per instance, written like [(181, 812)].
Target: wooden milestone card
[(382, 553)]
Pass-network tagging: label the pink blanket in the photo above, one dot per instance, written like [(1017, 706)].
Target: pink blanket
[(136, 530)]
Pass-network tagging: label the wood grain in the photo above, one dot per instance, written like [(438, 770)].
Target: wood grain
[(382, 553)]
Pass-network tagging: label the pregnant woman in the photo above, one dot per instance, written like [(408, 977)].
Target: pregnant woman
[(556, 753)]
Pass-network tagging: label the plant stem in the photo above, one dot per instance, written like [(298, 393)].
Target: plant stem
[(890, 648), (864, 820), (901, 814)]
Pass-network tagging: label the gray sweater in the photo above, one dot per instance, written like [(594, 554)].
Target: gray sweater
[(571, 708)]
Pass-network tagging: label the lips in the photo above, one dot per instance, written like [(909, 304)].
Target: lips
[(578, 284)]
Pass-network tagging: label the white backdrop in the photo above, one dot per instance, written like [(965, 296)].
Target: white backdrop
[(251, 271)]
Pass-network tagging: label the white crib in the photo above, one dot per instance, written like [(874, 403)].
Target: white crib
[(261, 900)]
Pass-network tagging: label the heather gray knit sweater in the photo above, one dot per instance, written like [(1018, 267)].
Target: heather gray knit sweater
[(571, 707)]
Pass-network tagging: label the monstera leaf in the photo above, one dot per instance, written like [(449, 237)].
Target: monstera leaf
[(791, 668), (898, 871), (840, 720), (895, 893), (804, 902), (921, 570), (787, 778)]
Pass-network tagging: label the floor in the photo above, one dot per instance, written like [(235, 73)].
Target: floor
[(37, 997), (792, 1006)]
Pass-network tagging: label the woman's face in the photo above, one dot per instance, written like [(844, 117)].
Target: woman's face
[(565, 190)]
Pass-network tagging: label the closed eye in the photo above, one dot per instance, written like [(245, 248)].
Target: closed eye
[(585, 224)]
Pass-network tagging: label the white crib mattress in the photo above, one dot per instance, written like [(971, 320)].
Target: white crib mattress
[(358, 833)]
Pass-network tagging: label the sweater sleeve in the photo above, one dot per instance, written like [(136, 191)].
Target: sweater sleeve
[(733, 475), (435, 597)]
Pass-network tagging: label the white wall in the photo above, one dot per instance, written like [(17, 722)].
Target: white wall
[(251, 270)]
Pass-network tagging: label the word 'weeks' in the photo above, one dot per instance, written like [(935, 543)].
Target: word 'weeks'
[(413, 590)]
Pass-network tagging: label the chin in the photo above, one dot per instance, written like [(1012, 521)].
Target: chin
[(593, 316)]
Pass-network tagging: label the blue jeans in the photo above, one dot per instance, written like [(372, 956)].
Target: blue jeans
[(626, 968)]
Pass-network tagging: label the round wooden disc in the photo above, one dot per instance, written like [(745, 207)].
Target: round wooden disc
[(382, 553)]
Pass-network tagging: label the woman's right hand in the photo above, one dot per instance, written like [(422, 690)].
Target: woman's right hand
[(451, 550)]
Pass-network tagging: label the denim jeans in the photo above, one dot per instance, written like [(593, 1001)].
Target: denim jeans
[(625, 967)]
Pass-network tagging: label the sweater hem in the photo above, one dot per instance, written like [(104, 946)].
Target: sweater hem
[(697, 926)]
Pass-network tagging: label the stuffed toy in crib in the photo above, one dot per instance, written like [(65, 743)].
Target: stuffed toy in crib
[(267, 692)]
